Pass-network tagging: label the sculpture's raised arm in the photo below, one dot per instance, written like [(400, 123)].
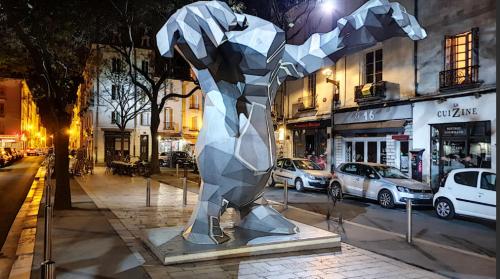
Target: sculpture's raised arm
[(375, 21)]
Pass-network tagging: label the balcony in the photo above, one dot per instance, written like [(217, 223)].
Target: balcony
[(460, 78), (194, 106), (305, 103), (168, 126), (370, 92)]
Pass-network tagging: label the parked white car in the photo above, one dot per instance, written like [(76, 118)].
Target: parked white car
[(300, 173), (470, 191), (383, 183)]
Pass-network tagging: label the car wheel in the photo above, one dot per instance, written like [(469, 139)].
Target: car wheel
[(162, 163), (385, 199), (444, 209), (299, 185), (336, 190)]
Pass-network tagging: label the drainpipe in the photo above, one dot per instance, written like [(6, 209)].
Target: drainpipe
[(415, 52)]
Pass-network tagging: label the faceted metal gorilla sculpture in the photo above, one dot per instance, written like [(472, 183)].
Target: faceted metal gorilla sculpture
[(240, 61)]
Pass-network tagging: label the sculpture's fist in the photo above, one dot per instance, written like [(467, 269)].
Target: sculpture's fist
[(189, 24)]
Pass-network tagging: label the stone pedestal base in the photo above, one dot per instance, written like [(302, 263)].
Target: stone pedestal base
[(169, 246)]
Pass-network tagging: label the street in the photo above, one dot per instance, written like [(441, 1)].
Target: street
[(15, 182), (469, 234)]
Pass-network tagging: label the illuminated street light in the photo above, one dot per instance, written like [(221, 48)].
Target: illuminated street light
[(327, 6)]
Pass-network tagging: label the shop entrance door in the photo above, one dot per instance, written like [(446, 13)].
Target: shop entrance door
[(144, 148), (367, 150)]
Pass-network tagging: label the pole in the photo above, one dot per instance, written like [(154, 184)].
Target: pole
[(148, 192), (409, 216), (285, 198), (184, 191), (177, 170)]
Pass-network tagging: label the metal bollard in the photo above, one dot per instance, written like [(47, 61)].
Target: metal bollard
[(148, 192), (184, 191), (177, 170), (409, 215), (47, 269), (285, 193)]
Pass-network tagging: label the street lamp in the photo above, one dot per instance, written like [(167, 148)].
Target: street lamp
[(335, 98), (327, 6)]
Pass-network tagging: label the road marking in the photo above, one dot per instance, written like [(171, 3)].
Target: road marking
[(423, 241)]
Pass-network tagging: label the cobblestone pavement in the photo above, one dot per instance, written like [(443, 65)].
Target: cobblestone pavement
[(125, 198)]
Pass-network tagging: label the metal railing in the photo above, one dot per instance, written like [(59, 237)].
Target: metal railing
[(308, 102), (194, 106), (48, 265), (376, 92), (168, 125), (465, 77)]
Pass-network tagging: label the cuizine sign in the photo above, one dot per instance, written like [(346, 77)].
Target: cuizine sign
[(456, 111)]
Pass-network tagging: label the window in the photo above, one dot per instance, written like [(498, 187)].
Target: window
[(145, 119), (194, 101), (194, 123), (114, 117), (489, 181), (350, 168), (309, 101), (460, 59), (114, 92), (373, 66), (168, 116), (145, 66), (287, 164), (279, 164), (116, 65), (467, 178), (2, 109)]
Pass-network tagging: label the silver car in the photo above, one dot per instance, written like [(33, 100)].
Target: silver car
[(379, 182), (301, 173)]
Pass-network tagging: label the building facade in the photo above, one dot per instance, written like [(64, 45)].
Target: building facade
[(454, 112), (180, 118), (387, 104), (20, 124)]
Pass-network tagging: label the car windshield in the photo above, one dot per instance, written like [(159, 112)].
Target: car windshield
[(306, 165), (390, 172)]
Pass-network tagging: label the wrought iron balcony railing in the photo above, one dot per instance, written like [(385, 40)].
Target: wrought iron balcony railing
[(370, 92), (168, 126), (306, 103), (459, 78)]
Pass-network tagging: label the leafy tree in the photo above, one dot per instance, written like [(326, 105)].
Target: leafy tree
[(48, 42)]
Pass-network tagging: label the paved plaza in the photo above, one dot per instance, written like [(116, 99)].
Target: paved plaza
[(122, 200)]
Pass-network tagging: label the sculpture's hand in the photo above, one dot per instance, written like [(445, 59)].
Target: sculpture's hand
[(188, 25)]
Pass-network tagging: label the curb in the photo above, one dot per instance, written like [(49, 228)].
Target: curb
[(26, 221)]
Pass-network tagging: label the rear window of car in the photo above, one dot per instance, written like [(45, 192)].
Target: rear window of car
[(466, 178)]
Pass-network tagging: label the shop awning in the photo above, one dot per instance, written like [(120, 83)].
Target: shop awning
[(390, 126)]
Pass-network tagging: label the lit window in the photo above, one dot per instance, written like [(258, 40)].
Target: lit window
[(460, 59), (373, 66)]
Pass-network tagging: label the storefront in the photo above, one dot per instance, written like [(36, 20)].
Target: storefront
[(378, 135), (455, 133), (310, 140)]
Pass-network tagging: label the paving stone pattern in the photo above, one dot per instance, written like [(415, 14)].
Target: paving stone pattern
[(125, 197)]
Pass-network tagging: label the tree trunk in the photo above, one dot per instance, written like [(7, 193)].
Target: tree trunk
[(122, 143), (155, 123), (62, 199)]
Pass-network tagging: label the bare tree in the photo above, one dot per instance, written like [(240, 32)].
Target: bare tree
[(120, 97), (134, 18)]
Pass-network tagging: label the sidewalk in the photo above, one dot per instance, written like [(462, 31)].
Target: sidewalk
[(85, 245), (124, 197)]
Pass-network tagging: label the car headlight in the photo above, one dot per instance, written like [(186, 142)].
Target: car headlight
[(310, 176), (403, 189)]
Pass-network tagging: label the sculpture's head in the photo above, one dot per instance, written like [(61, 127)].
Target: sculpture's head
[(199, 26)]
